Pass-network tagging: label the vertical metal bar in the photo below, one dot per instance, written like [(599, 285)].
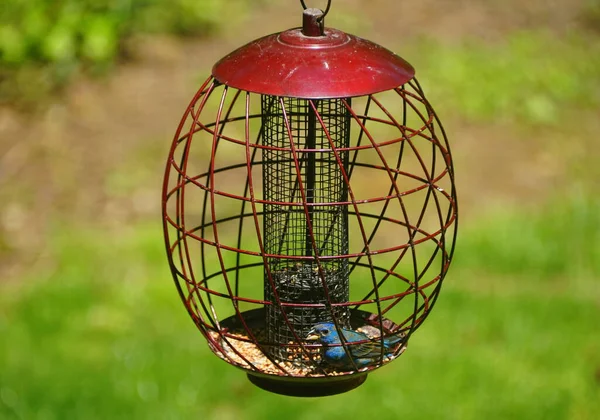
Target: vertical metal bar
[(311, 134)]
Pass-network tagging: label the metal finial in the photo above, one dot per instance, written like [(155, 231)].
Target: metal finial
[(312, 22), (324, 13)]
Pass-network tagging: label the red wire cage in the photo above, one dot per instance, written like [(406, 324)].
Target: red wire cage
[(309, 181)]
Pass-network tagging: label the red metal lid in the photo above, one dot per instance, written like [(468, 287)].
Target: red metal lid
[(334, 65)]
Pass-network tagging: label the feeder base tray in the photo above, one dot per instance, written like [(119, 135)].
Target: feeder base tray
[(313, 388)]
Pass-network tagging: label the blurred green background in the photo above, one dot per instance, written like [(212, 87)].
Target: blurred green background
[(90, 323)]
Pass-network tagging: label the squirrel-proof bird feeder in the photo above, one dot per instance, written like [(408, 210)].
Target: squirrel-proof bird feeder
[(309, 181)]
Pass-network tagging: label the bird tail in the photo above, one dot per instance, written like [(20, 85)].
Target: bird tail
[(393, 340)]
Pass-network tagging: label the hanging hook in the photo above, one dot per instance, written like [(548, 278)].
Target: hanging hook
[(324, 12)]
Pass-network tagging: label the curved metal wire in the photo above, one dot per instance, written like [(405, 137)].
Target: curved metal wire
[(398, 196), (324, 12)]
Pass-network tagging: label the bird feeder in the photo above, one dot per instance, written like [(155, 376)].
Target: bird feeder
[(309, 181)]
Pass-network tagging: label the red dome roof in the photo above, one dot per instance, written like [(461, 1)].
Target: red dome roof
[(334, 65)]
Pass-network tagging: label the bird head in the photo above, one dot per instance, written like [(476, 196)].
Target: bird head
[(325, 333)]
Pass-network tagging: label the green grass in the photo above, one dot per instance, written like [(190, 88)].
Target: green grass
[(563, 241), (101, 334), (530, 76)]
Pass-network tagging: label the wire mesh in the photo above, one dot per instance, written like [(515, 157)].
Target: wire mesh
[(303, 184)]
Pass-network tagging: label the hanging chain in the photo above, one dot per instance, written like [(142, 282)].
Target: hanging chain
[(324, 12)]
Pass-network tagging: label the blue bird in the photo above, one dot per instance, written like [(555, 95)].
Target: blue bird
[(363, 354)]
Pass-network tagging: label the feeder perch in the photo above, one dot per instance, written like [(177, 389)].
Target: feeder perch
[(309, 181)]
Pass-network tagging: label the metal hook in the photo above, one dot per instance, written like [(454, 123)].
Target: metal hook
[(324, 12)]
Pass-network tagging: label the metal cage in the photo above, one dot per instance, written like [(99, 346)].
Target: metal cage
[(282, 211)]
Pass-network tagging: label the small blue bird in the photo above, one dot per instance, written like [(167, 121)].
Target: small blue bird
[(363, 354)]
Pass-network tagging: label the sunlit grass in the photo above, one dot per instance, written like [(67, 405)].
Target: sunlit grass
[(531, 77), (562, 241), (102, 334)]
